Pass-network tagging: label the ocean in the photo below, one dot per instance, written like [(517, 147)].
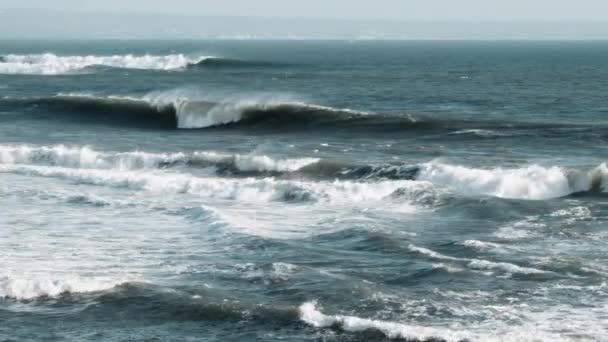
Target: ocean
[(303, 191)]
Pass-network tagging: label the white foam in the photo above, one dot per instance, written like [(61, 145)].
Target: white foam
[(533, 182), (502, 266), (29, 287), (477, 264), (573, 215), (312, 316), (484, 245), (556, 324), (255, 162), (51, 64), (478, 132), (83, 157), (245, 189), (447, 268), (86, 157), (579, 211)]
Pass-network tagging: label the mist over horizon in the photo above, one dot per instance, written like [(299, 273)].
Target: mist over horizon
[(84, 23)]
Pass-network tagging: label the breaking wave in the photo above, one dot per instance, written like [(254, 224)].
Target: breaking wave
[(539, 328), (26, 287), (312, 316), (86, 157), (51, 64), (222, 163), (180, 109), (172, 110), (217, 63), (533, 182), (250, 190), (528, 183)]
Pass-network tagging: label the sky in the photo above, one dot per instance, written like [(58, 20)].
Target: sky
[(426, 10), (305, 19)]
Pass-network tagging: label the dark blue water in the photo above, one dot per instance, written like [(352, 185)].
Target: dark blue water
[(303, 191)]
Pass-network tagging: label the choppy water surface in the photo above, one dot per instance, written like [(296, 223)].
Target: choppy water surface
[(303, 191)]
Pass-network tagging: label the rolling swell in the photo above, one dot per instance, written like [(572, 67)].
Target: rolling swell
[(170, 111), (153, 302), (109, 111), (221, 63)]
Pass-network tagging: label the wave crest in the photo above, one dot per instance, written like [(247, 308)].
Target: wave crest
[(312, 316), (173, 109), (187, 109), (533, 182), (27, 288), (527, 183), (51, 64), (86, 157)]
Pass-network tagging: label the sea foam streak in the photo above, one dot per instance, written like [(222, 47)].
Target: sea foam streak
[(51, 64), (478, 264)]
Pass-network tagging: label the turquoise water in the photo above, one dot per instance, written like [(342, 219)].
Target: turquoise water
[(323, 191)]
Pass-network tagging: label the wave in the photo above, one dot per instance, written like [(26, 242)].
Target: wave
[(312, 316), (133, 301), (527, 183), (532, 182), (172, 110), (261, 110), (51, 64), (537, 327), (250, 190), (86, 157), (180, 109), (25, 287), (218, 62), (146, 301), (223, 163)]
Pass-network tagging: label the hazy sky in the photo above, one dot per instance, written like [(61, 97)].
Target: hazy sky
[(431, 10)]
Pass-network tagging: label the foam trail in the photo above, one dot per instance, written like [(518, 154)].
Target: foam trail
[(51, 64), (478, 264)]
